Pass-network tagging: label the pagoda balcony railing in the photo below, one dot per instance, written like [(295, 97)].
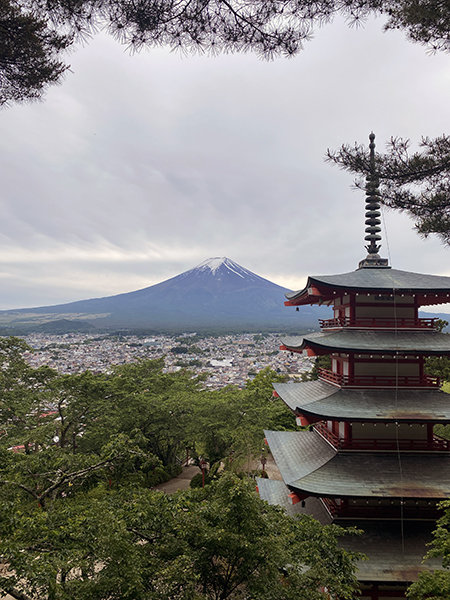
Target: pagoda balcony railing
[(385, 381), (322, 428), (377, 444), (374, 323), (392, 511), (437, 444)]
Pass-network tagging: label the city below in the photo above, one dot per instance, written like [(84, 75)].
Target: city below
[(227, 359)]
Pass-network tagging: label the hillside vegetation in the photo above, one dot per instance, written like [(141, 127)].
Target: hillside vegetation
[(80, 520)]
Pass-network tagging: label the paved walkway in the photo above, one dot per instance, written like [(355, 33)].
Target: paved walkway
[(182, 481), (179, 483), (271, 468), (184, 478)]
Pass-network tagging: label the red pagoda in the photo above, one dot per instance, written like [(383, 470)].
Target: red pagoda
[(367, 454)]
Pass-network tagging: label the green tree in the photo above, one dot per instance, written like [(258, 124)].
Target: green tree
[(321, 362), (29, 53), (417, 183), (24, 398), (79, 400), (35, 32), (240, 547), (153, 408), (438, 366), (221, 542), (229, 423), (435, 585), (46, 423), (79, 522)]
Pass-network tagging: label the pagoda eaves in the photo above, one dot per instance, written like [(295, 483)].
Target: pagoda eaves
[(321, 289), (310, 465), (372, 342), (320, 400), (383, 545)]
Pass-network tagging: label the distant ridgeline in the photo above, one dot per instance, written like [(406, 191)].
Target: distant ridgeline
[(217, 296)]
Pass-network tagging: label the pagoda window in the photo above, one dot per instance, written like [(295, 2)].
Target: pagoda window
[(378, 299), (389, 431), (386, 369), (384, 312), (339, 364), (339, 312), (348, 431)]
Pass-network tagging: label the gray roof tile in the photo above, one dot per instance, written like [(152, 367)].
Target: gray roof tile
[(309, 464), (297, 454), (276, 493), (429, 342), (380, 279), (321, 399), (394, 550)]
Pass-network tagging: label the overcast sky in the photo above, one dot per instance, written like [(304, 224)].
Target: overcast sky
[(139, 167)]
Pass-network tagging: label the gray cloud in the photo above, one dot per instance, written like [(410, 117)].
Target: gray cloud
[(137, 168)]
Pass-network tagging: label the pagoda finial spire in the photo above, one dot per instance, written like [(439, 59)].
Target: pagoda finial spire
[(372, 214)]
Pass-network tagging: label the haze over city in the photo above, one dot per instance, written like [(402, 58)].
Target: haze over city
[(139, 167)]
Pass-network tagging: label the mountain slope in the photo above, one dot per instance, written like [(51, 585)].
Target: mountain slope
[(217, 294)]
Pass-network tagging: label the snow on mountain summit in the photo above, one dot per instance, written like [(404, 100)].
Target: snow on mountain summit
[(219, 265), (213, 263)]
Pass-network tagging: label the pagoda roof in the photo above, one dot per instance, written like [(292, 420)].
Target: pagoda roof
[(326, 401), (394, 550), (376, 280), (373, 342), (309, 464), (276, 492)]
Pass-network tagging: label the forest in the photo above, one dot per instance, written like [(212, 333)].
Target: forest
[(80, 519), (80, 455)]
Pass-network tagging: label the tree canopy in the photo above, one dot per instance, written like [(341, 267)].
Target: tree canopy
[(417, 182), (34, 33), (80, 519)]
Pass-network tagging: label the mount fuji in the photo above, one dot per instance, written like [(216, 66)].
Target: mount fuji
[(217, 295)]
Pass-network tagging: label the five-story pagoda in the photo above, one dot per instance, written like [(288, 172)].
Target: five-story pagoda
[(369, 456)]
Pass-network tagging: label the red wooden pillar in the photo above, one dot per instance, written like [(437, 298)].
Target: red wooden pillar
[(421, 368), (351, 368), (430, 433), (347, 432), (352, 308)]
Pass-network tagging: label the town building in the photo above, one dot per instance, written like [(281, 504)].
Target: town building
[(367, 454)]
